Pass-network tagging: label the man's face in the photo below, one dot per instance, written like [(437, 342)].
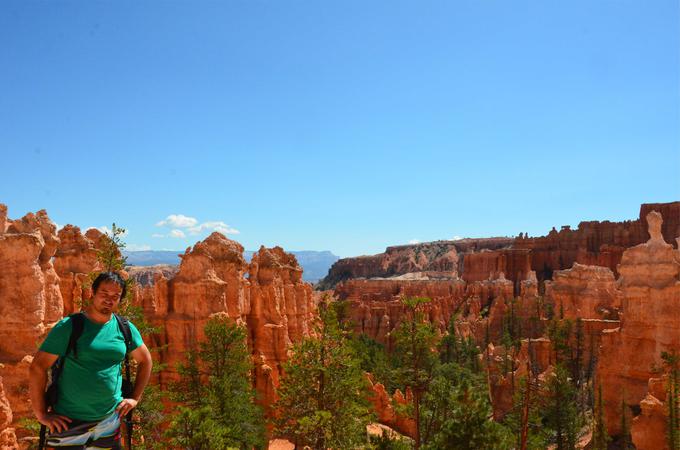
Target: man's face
[(107, 297)]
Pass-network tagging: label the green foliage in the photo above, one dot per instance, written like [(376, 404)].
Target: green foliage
[(323, 394), (218, 402), (671, 363), (460, 350), (197, 429), (577, 357), (559, 332), (387, 442), (559, 411), (537, 435), (110, 248), (415, 340), (148, 419), (451, 404), (33, 427), (456, 413), (511, 326), (600, 438), (373, 358)]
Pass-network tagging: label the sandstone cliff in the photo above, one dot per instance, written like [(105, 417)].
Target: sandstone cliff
[(440, 257), (592, 243), (650, 324), (267, 296), (30, 299), (8, 439)]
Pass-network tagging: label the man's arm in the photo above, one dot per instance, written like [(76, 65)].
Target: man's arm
[(144, 363), (37, 381)]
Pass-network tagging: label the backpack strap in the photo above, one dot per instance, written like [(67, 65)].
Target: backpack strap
[(77, 326), (124, 326)]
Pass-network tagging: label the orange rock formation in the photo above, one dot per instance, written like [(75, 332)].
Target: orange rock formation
[(588, 292), (8, 439), (43, 276), (384, 407), (267, 295), (650, 324), (30, 298)]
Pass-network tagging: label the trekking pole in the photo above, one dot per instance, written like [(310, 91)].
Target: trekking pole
[(43, 433), (128, 425), (128, 416)]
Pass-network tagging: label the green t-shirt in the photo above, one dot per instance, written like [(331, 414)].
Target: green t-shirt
[(89, 387)]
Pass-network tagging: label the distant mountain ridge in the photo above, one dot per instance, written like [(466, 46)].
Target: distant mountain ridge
[(315, 264)]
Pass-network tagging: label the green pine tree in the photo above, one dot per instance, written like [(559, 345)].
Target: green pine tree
[(460, 350), (456, 413), (374, 359), (559, 332), (415, 340), (525, 417), (671, 362), (559, 410), (600, 437), (218, 408), (323, 394)]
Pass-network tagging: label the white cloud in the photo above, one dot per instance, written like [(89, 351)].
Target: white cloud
[(456, 238), (215, 226), (176, 234), (178, 221), (137, 247), (414, 241)]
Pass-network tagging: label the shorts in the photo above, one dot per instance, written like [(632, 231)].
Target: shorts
[(80, 435)]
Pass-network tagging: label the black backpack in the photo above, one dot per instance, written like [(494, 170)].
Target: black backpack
[(77, 326)]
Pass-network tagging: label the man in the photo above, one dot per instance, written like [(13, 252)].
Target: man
[(89, 401)]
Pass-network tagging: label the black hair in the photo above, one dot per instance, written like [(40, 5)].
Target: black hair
[(109, 276)]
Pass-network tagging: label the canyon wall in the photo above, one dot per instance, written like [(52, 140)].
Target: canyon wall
[(592, 243), (440, 257), (31, 298), (650, 324), (30, 301)]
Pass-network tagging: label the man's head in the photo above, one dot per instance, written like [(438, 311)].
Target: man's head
[(108, 290)]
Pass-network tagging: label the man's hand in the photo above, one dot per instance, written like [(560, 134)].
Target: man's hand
[(124, 407), (54, 422)]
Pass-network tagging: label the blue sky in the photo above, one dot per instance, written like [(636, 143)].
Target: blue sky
[(344, 126)]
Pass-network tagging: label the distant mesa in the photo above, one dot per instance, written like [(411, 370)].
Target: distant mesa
[(592, 243), (314, 263)]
